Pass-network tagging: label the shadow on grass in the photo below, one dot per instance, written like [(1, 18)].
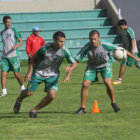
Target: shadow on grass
[(81, 83), (25, 114)]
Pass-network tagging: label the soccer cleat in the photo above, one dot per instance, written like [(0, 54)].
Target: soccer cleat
[(81, 110), (115, 107), (17, 107), (33, 114), (117, 82), (3, 95)]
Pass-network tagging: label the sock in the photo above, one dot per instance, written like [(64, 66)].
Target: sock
[(139, 65), (22, 87), (120, 79), (33, 110), (4, 91)]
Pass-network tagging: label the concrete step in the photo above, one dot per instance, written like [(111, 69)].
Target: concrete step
[(55, 15), (50, 24)]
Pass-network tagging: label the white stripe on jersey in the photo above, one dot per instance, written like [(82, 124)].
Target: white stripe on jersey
[(69, 54), (109, 44), (132, 32), (83, 49)]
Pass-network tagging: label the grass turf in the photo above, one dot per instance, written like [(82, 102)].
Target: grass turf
[(57, 121)]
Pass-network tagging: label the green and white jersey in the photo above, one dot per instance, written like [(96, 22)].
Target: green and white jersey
[(129, 33), (9, 39), (97, 57), (49, 60)]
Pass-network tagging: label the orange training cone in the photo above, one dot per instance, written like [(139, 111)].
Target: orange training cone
[(95, 107)]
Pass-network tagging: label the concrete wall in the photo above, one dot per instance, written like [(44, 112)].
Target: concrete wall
[(112, 12), (130, 12), (46, 5)]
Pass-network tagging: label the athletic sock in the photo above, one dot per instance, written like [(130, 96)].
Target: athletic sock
[(139, 65), (22, 87), (120, 79), (4, 91)]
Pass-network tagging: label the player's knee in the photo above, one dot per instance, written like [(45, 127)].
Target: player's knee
[(29, 93), (107, 81), (52, 96), (4, 73), (16, 73), (138, 65), (86, 84)]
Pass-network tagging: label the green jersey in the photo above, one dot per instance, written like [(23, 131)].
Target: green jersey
[(129, 33), (9, 39), (49, 60), (98, 57)]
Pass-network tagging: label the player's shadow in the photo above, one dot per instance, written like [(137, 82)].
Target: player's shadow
[(55, 112), (82, 83), (23, 114)]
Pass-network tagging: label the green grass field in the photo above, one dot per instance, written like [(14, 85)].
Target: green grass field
[(57, 121)]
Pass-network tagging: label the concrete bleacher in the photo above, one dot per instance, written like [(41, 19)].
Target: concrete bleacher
[(75, 24)]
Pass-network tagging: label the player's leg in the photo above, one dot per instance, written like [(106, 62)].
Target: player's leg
[(24, 93), (84, 92), (110, 89), (121, 72), (106, 74), (31, 87), (137, 64), (19, 79), (3, 79), (110, 92), (89, 76), (51, 87), (84, 95), (15, 67), (44, 102), (4, 69)]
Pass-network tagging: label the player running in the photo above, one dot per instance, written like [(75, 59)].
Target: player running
[(99, 60), (11, 39), (131, 46), (44, 67)]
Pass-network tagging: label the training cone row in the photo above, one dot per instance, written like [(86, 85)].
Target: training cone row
[(95, 107)]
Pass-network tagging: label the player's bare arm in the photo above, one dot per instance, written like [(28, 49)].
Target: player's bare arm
[(69, 69), (30, 69), (18, 45), (131, 55), (133, 46)]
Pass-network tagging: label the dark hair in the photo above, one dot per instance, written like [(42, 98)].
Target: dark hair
[(122, 22), (93, 32), (5, 18), (58, 34)]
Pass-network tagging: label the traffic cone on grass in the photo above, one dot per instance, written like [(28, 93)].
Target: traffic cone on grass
[(95, 107)]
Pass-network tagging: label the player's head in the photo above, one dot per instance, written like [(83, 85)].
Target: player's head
[(122, 24), (59, 39), (7, 21), (35, 31), (94, 37)]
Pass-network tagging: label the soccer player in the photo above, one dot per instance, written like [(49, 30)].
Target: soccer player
[(131, 46), (46, 62), (10, 62), (99, 61), (34, 42)]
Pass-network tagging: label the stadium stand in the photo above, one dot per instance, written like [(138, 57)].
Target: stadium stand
[(76, 24)]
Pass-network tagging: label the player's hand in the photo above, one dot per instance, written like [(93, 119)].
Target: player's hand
[(67, 79), (27, 77), (137, 59), (14, 48), (67, 69)]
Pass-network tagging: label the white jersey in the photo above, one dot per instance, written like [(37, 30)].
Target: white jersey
[(9, 39)]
